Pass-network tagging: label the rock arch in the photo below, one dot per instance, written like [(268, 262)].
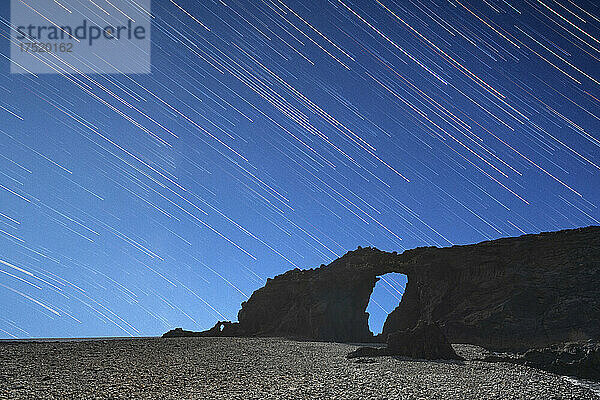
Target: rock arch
[(506, 294)]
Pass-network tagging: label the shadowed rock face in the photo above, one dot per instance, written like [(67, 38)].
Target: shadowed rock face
[(507, 294), (580, 359), (327, 303), (423, 341), (513, 293)]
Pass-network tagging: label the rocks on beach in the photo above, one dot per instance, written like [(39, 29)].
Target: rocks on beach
[(197, 368), (581, 359)]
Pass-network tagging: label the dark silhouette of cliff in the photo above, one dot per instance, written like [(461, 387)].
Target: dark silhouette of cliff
[(508, 294)]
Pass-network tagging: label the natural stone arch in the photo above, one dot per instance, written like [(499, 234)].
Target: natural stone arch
[(508, 294)]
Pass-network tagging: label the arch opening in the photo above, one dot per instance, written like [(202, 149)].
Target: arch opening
[(385, 297)]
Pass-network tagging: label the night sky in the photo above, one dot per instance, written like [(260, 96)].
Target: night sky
[(280, 134)]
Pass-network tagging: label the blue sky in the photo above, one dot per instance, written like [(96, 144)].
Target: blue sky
[(273, 135)]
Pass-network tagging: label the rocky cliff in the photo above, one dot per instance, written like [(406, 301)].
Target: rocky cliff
[(513, 293), (507, 294)]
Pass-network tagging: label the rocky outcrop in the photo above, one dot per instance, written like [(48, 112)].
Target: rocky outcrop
[(514, 293), (508, 294), (574, 358), (221, 328), (425, 341), (180, 332), (326, 303)]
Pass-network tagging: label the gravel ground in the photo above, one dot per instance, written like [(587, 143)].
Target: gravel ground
[(236, 368)]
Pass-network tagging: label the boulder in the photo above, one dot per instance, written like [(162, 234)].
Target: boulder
[(580, 359), (367, 352), (425, 341)]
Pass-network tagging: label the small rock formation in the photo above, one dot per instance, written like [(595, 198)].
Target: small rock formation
[(368, 352), (221, 328), (425, 341), (180, 332)]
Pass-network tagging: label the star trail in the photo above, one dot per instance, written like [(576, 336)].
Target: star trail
[(276, 134)]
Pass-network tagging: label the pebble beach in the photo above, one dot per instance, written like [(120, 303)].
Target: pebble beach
[(258, 368)]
